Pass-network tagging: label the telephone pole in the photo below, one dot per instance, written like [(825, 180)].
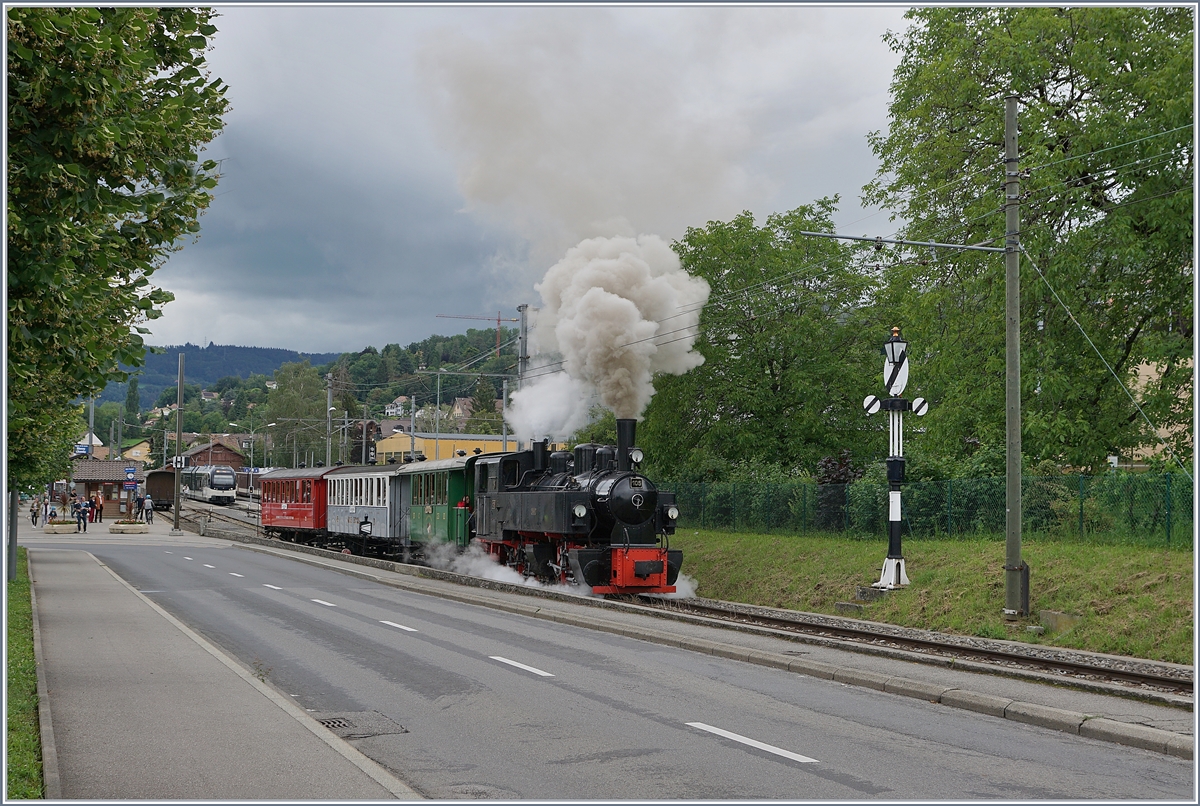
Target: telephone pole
[(1016, 572), (328, 419)]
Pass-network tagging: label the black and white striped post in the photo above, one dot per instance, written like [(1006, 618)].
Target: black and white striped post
[(895, 378)]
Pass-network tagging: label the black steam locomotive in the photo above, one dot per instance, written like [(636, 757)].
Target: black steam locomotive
[(586, 515)]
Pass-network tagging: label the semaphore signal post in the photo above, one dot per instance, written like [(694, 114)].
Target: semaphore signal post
[(895, 378)]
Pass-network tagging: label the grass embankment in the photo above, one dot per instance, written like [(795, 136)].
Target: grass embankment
[(1132, 601), (24, 741)]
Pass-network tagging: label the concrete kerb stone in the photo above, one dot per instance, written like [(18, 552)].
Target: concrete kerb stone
[(813, 668), (1141, 736), (1181, 746), (860, 677), (1045, 716), (974, 701), (916, 688)]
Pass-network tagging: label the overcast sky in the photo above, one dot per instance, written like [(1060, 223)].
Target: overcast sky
[(381, 165)]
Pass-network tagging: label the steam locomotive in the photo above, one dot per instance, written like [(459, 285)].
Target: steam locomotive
[(586, 517)]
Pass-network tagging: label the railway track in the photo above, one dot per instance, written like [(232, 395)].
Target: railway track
[(1172, 683), (1066, 666)]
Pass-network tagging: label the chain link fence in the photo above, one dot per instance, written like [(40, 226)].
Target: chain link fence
[(1126, 507)]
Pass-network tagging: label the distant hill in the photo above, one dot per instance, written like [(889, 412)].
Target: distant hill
[(206, 365)]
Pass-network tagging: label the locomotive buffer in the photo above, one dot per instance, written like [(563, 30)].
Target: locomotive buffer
[(895, 378)]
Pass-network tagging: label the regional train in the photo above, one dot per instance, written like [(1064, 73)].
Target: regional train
[(216, 484), (586, 517)]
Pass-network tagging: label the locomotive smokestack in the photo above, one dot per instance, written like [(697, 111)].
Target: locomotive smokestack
[(626, 434), (541, 451)]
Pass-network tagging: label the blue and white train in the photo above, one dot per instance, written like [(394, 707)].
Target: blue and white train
[(216, 484)]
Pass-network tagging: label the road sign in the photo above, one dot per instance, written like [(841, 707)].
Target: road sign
[(895, 376), (920, 406), (871, 404), (131, 485), (81, 449)]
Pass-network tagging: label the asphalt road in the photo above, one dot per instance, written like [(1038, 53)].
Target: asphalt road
[(467, 702)]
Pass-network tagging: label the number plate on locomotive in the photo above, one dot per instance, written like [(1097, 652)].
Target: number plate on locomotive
[(635, 482)]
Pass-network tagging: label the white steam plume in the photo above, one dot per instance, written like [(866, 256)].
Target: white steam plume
[(618, 311)]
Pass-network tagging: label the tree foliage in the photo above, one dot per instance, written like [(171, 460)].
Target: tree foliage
[(107, 112), (1106, 105), (789, 348)]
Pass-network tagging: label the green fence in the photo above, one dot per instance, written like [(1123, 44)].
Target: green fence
[(1149, 508)]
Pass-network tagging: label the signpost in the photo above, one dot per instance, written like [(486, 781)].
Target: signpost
[(895, 378)]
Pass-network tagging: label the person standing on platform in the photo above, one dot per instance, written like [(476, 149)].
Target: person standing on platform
[(149, 509), (141, 503), (100, 507), (80, 517), (33, 512)]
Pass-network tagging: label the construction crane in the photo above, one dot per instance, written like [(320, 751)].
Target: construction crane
[(497, 320)]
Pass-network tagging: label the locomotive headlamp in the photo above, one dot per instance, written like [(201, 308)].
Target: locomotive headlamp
[(673, 513), (580, 510), (636, 455)]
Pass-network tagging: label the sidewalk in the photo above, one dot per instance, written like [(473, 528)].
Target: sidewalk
[(141, 707)]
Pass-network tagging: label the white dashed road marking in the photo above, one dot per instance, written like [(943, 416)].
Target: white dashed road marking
[(399, 626), (273, 587), (187, 558), (769, 748), (235, 575), (327, 604), (206, 565), (521, 666)]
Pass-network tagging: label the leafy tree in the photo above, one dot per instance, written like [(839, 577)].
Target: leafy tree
[(484, 418), (790, 351), (1106, 134), (602, 430), (133, 409), (168, 397), (297, 405), (107, 111)]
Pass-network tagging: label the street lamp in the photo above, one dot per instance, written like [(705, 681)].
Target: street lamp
[(252, 439)]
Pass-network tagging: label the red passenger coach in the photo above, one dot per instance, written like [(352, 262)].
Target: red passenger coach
[(294, 500)]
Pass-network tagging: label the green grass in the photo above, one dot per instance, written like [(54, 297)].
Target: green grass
[(1133, 600), (24, 741)]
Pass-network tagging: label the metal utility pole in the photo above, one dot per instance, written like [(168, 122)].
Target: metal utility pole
[(121, 431), (412, 429), (523, 345), (328, 419), (503, 419), (91, 424), (437, 420), (364, 447), (175, 530), (1016, 572)]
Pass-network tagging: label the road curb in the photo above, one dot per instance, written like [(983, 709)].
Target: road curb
[(1133, 735)]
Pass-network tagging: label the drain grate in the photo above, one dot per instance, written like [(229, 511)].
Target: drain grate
[(359, 724)]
